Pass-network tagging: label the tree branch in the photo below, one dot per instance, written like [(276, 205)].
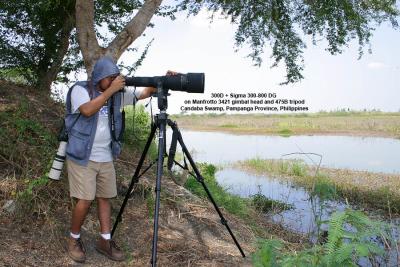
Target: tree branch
[(133, 29)]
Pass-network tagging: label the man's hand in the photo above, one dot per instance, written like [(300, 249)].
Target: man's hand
[(172, 73), (117, 84)]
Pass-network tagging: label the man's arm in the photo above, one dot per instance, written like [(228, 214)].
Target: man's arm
[(93, 106), (147, 92)]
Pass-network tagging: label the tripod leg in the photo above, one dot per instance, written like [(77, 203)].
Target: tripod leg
[(160, 163), (200, 179), (134, 177)]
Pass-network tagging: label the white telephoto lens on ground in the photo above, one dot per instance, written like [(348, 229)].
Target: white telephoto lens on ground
[(58, 162)]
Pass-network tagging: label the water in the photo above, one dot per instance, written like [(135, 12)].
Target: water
[(356, 153), (300, 219), (343, 152), (305, 213)]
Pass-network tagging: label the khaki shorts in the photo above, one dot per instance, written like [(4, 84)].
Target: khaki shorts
[(97, 179)]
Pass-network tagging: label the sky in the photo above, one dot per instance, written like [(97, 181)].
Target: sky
[(330, 82)]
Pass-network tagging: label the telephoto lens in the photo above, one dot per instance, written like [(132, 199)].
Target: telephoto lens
[(58, 162), (190, 82)]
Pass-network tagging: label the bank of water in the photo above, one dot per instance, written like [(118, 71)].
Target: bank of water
[(343, 152)]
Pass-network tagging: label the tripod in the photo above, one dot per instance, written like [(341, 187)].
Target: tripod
[(161, 121)]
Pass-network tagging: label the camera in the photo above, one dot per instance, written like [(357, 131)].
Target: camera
[(190, 82), (58, 162)]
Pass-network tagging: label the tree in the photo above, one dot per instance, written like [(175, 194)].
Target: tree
[(38, 38), (35, 36), (283, 24), (91, 50)]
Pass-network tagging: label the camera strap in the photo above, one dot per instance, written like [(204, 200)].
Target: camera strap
[(113, 134), (63, 133)]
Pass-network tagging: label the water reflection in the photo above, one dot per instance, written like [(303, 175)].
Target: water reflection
[(302, 218)]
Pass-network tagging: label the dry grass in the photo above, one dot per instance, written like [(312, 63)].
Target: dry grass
[(362, 124), (190, 232)]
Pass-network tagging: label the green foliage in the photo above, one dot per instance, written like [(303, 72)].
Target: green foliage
[(20, 135), (263, 204), (27, 194), (234, 204), (350, 238), (298, 168), (14, 75), (285, 132), (137, 124), (35, 35), (259, 164), (267, 253), (31, 36), (324, 189), (137, 128), (283, 25), (286, 167), (38, 37)]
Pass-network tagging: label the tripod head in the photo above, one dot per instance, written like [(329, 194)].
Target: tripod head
[(162, 97)]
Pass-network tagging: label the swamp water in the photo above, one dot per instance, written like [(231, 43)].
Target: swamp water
[(356, 153)]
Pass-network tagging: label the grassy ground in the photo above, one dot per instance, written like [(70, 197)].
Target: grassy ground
[(370, 190), (332, 123), (35, 212)]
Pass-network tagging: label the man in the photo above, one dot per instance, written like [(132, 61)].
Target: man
[(94, 124)]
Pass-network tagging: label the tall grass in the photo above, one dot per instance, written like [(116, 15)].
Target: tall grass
[(286, 167)]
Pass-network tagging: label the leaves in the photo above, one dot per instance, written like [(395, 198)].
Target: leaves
[(31, 31), (351, 237), (32, 34), (283, 25)]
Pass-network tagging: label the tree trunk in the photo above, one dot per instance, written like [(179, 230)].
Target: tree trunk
[(91, 50), (49, 72)]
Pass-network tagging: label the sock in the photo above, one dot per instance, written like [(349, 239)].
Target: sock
[(75, 236), (106, 236)]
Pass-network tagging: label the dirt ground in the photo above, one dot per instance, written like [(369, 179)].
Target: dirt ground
[(190, 234), (190, 231)]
